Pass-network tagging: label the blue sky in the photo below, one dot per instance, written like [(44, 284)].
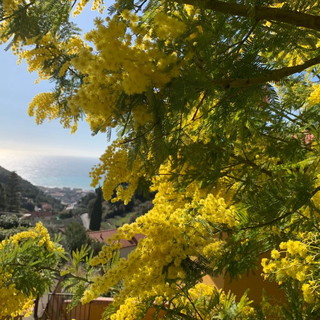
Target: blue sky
[(18, 131)]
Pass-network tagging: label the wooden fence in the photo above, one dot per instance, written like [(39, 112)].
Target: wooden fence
[(58, 308)]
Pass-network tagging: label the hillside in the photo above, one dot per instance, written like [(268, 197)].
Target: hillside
[(29, 192)]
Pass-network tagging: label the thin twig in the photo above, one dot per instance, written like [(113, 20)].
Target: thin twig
[(190, 300)]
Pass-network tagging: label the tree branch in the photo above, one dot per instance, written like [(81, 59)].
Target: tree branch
[(185, 291), (285, 215), (3, 18), (295, 18), (268, 76)]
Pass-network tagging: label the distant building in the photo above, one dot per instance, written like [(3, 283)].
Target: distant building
[(41, 214), (46, 207), (127, 245)]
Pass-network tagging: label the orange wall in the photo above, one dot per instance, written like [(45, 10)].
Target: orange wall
[(97, 307), (252, 281)]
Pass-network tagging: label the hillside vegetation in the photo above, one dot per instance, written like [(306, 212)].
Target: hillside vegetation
[(29, 195)]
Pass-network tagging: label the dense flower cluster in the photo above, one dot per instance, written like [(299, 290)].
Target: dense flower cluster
[(299, 260), (122, 50), (8, 8), (39, 234), (198, 302), (16, 253), (177, 229), (13, 302), (96, 5), (128, 311), (315, 95), (119, 59), (115, 172), (45, 105)]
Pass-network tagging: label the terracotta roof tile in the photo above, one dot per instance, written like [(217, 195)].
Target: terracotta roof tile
[(104, 235)]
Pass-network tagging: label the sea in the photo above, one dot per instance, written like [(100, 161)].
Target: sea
[(50, 170)]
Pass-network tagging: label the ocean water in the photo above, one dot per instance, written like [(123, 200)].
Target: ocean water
[(50, 170)]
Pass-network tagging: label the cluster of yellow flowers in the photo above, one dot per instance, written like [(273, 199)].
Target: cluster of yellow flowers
[(182, 225), (48, 108), (201, 293), (128, 311), (96, 5), (196, 303), (314, 97), (167, 27), (48, 48), (201, 301), (45, 105), (39, 234), (115, 172), (141, 116), (299, 260), (14, 302), (8, 8), (124, 58)]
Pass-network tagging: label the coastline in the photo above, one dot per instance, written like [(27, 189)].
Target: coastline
[(51, 171), (67, 195)]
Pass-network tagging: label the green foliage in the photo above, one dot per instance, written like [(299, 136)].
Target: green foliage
[(75, 237), (31, 259), (3, 198), (65, 215), (10, 225), (85, 204), (13, 193), (30, 194), (9, 221), (36, 19), (77, 272), (96, 214), (6, 233)]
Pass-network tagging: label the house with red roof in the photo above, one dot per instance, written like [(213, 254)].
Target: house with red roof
[(126, 245)]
